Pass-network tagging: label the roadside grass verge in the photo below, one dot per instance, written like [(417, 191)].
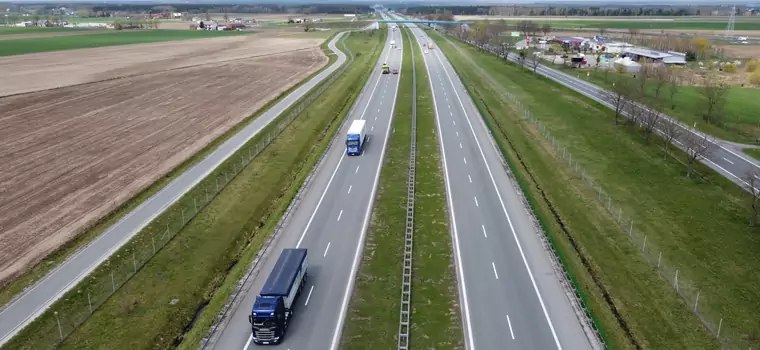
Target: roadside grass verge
[(366, 50), (374, 311), (741, 122), (752, 152), (157, 304), (699, 224), (126, 37)]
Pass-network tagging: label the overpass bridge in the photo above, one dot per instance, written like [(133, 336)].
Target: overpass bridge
[(420, 21)]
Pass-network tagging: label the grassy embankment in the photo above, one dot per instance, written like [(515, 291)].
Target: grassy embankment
[(700, 225), (741, 122), (126, 37), (373, 316), (752, 152), (190, 268), (31, 30), (34, 274)]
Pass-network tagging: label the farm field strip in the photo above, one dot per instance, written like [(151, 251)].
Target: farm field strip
[(47, 44), (43, 71)]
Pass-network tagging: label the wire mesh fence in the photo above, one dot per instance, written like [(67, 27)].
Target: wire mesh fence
[(77, 305), (695, 299)]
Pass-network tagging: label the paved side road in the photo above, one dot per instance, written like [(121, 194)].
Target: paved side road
[(34, 301), (724, 157), (510, 293), (331, 222)]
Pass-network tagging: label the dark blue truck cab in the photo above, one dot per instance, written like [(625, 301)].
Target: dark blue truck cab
[(273, 307)]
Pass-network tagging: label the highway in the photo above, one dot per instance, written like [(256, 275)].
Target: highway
[(724, 157), (331, 222), (39, 297), (511, 297)]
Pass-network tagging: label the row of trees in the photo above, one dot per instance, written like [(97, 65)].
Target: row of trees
[(553, 10)]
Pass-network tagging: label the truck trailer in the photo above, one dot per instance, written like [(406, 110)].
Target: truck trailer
[(355, 138), (273, 307)]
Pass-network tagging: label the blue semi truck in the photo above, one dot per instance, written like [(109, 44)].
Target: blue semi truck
[(273, 307), (355, 138)]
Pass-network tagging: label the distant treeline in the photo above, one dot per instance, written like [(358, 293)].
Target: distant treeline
[(105, 10), (617, 10)]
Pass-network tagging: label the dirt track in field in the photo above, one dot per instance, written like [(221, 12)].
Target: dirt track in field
[(41, 71), (72, 155)]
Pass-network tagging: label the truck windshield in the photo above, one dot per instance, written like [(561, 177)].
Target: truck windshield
[(352, 143), (266, 322)]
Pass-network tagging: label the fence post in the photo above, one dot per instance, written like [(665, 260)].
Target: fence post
[(630, 229), (658, 260), (675, 282), (153, 239), (720, 325), (89, 302), (134, 261), (696, 302), (195, 205), (183, 216), (60, 331), (644, 246), (113, 284)]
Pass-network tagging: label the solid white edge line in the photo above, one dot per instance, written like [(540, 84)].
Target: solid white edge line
[(44, 306), (469, 341), (362, 236), (503, 207)]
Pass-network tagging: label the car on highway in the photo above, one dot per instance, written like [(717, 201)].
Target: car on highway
[(395, 70), (426, 51)]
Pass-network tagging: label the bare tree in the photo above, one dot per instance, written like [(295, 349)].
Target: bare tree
[(634, 110), (714, 93), (670, 132), (661, 77), (673, 85), (649, 119), (507, 45), (535, 61), (643, 75), (751, 184), (619, 96), (546, 29), (697, 147), (522, 57)]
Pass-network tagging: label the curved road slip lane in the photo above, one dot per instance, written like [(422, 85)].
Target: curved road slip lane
[(510, 291), (331, 222), (38, 298)]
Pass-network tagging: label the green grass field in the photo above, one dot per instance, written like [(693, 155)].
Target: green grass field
[(127, 37), (752, 152), (741, 122), (191, 267), (700, 225), (649, 25), (373, 316), (30, 30)]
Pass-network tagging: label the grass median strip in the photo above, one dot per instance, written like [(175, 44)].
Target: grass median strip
[(37, 272), (629, 299), (161, 300), (373, 316), (59, 43)]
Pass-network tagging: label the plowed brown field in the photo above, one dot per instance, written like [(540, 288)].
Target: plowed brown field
[(71, 155)]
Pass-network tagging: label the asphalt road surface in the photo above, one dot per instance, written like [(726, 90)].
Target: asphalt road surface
[(38, 298), (511, 297), (331, 223)]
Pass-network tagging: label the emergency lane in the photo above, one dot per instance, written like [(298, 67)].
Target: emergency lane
[(511, 294), (330, 222)]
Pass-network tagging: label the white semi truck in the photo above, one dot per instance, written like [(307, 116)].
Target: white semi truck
[(355, 138), (393, 43)]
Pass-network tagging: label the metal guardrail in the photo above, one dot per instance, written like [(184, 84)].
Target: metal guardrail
[(406, 273)]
